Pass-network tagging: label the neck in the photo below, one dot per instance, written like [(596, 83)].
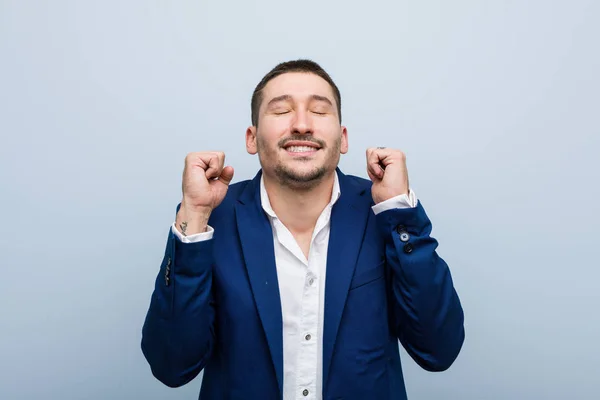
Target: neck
[(299, 209)]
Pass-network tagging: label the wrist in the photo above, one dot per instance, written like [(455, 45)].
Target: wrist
[(192, 220)]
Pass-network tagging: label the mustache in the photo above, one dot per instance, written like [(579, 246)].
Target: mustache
[(301, 138)]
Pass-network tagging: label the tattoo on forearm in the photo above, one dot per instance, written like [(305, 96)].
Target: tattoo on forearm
[(183, 227)]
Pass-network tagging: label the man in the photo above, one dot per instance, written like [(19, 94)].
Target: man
[(299, 283)]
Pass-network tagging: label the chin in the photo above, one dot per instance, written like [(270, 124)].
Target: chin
[(300, 177)]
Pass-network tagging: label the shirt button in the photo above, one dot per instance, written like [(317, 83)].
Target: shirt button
[(307, 337), (404, 237), (305, 392), (311, 281), (408, 248)]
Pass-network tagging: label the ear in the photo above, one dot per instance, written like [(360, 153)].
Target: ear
[(344, 144), (251, 146)]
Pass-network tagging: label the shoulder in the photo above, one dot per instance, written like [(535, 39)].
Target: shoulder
[(358, 182), (235, 189), (355, 184)]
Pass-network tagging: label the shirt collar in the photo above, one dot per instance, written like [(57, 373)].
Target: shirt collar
[(266, 204)]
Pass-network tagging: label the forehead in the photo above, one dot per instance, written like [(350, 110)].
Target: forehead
[(298, 85)]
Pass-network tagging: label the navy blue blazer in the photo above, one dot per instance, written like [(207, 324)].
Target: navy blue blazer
[(216, 305)]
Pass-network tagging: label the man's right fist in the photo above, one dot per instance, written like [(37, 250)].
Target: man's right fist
[(204, 186)]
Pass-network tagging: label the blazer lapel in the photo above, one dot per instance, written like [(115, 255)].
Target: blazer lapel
[(256, 238), (348, 221)]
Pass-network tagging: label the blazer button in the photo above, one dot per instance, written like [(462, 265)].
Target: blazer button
[(408, 248), (404, 236)]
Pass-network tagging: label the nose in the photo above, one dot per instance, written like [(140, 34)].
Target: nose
[(302, 124)]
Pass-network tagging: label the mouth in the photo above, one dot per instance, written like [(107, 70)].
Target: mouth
[(301, 148)]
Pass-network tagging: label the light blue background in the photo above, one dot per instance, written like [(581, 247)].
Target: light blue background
[(496, 104)]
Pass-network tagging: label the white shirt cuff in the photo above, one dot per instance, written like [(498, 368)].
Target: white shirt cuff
[(197, 237), (402, 201)]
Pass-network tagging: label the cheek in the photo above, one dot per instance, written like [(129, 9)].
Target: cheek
[(328, 125), (274, 129), (331, 132), (266, 143)]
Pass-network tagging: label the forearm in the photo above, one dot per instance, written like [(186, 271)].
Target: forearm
[(178, 335), (427, 313)]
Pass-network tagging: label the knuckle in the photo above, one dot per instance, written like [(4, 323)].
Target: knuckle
[(209, 157), (194, 155)]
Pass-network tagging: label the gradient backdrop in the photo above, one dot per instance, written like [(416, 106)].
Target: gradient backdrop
[(496, 104)]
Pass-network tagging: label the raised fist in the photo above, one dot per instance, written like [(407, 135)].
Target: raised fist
[(204, 185)]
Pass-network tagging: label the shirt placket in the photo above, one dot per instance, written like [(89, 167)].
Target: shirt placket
[(307, 355)]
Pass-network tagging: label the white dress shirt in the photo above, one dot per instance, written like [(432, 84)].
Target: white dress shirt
[(302, 289)]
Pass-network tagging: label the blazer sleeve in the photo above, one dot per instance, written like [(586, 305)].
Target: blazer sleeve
[(426, 313), (178, 332)]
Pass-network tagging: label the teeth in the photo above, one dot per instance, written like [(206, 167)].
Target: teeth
[(300, 149)]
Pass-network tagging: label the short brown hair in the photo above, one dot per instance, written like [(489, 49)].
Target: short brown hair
[(304, 65)]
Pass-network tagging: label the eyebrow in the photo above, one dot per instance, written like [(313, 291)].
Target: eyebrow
[(321, 98), (277, 99), (287, 97)]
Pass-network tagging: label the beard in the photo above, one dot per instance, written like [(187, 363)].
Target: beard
[(295, 179), (299, 180)]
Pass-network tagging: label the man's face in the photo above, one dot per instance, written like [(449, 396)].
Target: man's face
[(299, 138)]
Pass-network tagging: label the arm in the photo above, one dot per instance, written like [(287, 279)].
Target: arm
[(178, 333), (427, 315)]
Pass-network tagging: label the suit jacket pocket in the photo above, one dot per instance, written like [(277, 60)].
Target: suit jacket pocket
[(368, 276)]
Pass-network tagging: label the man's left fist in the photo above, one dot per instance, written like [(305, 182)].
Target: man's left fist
[(387, 170)]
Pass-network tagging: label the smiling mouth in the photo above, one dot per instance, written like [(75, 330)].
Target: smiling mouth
[(301, 149)]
